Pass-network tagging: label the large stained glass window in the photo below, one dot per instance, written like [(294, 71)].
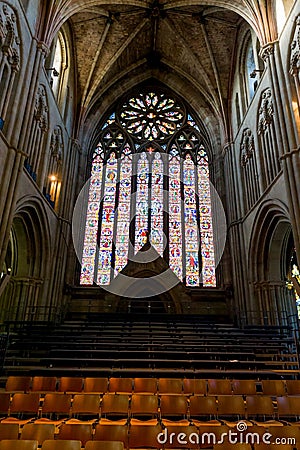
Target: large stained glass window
[(149, 180)]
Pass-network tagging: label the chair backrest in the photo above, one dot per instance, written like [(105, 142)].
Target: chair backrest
[(293, 387), (145, 385), (9, 431), (144, 404), (120, 385), (171, 405), (112, 432), (70, 384), (288, 406), (86, 404), (244, 387), (104, 445), (259, 405), (114, 404), (38, 432), (233, 406), (4, 402), (203, 406), (12, 444), (170, 386), (273, 387), (194, 386), (25, 403), (95, 385), (76, 431), (44, 384), (219, 387), (18, 383), (142, 436), (61, 445), (57, 403)]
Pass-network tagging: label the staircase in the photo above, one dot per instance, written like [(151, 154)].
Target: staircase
[(137, 345)]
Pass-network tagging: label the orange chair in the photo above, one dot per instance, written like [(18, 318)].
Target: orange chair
[(61, 445), (143, 435), (261, 406), (56, 408), (275, 388), (76, 431), (9, 431), (23, 407), (44, 384), (18, 384), (70, 384), (170, 386), (4, 403), (108, 430), (203, 406), (143, 405), (95, 385), (173, 406), (289, 407), (13, 444), (194, 386), (38, 432), (219, 387), (104, 445), (210, 435), (244, 387), (235, 408), (145, 385), (86, 406), (293, 387), (115, 405), (120, 385)]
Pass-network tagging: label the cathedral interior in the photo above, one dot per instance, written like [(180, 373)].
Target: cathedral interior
[(150, 223)]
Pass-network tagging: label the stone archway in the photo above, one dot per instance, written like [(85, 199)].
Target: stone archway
[(27, 256), (271, 301)]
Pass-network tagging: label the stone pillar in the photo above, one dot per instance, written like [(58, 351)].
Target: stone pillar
[(17, 134), (289, 153)]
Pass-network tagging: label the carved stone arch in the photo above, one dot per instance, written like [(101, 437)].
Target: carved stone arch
[(268, 243), (9, 35), (23, 297)]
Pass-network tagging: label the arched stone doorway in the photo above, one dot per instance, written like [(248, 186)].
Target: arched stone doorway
[(271, 301)]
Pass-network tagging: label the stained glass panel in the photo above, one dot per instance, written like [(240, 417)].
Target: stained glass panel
[(190, 220), (206, 226), (157, 200), (175, 228), (151, 116), (123, 218), (150, 119), (142, 199), (107, 225), (92, 217)]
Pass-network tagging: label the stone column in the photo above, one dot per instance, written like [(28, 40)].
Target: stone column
[(289, 153)]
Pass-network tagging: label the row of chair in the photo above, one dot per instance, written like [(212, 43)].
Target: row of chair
[(153, 436), (193, 386), (60, 445), (93, 406)]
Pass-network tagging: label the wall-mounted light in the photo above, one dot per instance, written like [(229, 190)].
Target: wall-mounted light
[(55, 73), (254, 73), (53, 178)]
